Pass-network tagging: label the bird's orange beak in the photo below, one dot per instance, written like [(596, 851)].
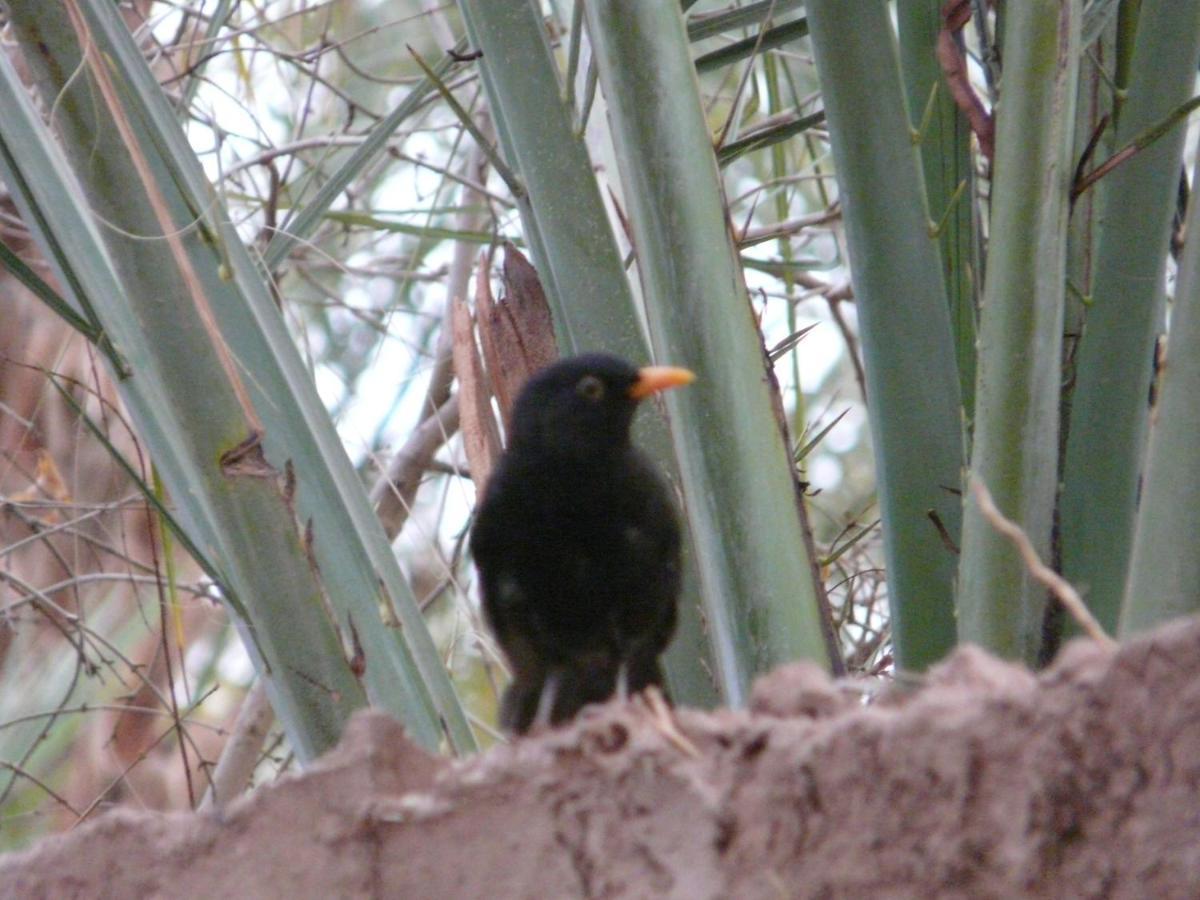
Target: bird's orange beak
[(653, 379)]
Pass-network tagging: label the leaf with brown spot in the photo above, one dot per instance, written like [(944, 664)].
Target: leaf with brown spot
[(358, 660), (247, 459), (480, 436)]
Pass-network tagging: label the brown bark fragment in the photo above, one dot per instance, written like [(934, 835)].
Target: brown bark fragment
[(480, 437), (517, 334)]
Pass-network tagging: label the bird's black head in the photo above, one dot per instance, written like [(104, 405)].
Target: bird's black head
[(586, 403)]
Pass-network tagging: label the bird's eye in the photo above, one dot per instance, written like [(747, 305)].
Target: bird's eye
[(590, 388)]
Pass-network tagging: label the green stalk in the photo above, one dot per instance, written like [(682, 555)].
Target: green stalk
[(217, 389), (904, 320), (1016, 428), (944, 141), (738, 485), (1165, 569), (1109, 412), (52, 208)]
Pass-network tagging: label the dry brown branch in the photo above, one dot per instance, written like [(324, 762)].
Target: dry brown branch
[(243, 750), (394, 492), (955, 15), (1042, 573)]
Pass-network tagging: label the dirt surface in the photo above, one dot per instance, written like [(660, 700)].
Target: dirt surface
[(986, 782)]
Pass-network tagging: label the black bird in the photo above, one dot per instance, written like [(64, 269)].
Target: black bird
[(577, 542)]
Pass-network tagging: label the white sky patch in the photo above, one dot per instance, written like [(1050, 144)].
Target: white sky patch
[(234, 665), (818, 352), (845, 436), (824, 472), (330, 387)]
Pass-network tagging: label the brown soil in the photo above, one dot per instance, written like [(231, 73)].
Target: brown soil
[(987, 782)]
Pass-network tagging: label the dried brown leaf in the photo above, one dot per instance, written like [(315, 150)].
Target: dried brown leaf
[(517, 333), (480, 436)]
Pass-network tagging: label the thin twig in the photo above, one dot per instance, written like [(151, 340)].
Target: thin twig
[(1042, 573), (29, 776), (860, 374), (1136, 145), (242, 750), (393, 493)]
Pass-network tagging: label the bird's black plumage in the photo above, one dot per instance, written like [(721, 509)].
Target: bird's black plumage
[(577, 542)]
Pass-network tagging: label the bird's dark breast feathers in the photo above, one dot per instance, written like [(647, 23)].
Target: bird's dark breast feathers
[(594, 564)]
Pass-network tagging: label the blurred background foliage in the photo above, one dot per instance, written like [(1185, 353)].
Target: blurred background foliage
[(121, 674)]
